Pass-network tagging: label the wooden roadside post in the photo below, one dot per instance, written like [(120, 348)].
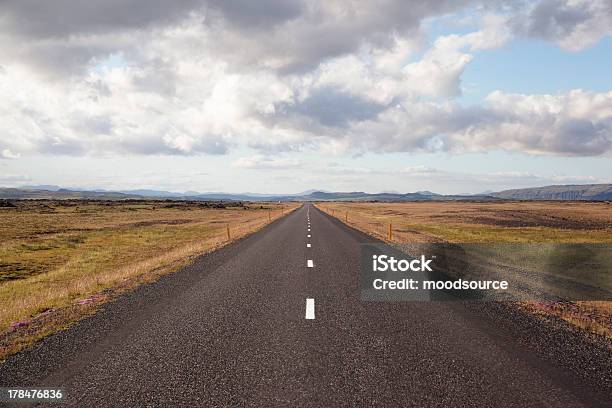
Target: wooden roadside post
[(346, 216), (269, 216), (228, 233), (390, 231)]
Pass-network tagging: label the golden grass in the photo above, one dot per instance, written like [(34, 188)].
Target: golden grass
[(507, 222), (54, 255), (469, 222)]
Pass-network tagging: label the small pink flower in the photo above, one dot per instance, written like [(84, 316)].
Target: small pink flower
[(21, 323)]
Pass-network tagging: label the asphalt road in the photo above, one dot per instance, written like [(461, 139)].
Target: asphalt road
[(231, 330)]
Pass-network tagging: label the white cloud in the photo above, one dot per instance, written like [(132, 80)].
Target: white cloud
[(438, 72), (495, 32), (8, 154), (420, 169), (576, 123), (202, 77), (259, 162)]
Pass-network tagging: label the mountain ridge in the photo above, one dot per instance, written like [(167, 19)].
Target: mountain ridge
[(582, 192), (597, 192)]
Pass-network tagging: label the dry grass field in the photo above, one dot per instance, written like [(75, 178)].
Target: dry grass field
[(494, 222), (60, 259), (481, 222)]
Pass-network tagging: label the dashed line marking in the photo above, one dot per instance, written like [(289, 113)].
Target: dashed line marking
[(308, 235), (307, 245), (310, 264), (310, 309)]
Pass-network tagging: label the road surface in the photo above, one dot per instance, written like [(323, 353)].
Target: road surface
[(234, 329)]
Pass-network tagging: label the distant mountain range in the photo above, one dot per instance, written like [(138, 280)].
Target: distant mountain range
[(595, 192)]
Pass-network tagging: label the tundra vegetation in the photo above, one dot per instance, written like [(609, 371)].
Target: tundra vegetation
[(60, 259)]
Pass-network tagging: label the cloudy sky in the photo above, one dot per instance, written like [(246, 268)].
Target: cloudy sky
[(453, 96)]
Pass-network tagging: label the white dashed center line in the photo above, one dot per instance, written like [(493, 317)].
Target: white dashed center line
[(308, 235), (310, 264), (310, 309), (307, 245)]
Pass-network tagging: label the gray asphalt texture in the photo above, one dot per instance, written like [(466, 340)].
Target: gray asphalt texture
[(229, 330)]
